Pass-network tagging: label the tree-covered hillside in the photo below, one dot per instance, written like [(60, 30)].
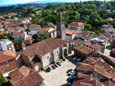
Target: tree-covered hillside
[(92, 13)]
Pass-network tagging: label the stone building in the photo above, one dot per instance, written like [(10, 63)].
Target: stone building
[(60, 29), (76, 26), (40, 55)]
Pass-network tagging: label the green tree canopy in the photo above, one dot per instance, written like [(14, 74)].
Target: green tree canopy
[(40, 37), (2, 80)]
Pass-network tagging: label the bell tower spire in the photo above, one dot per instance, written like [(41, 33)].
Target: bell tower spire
[(60, 29)]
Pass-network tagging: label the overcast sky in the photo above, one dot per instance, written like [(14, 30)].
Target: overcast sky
[(8, 2)]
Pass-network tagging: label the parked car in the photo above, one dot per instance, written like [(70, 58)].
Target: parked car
[(59, 63), (48, 69), (76, 59), (53, 66), (69, 70), (56, 65), (69, 84)]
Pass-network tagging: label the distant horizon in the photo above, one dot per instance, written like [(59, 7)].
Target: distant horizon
[(15, 2)]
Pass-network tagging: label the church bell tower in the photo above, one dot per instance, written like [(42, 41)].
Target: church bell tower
[(60, 29)]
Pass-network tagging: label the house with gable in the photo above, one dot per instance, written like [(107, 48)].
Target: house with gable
[(7, 62), (25, 76), (48, 30), (33, 29), (76, 26)]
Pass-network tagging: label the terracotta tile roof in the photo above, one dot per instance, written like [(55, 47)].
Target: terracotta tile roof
[(99, 66), (93, 45), (108, 57), (25, 76), (28, 37), (6, 55), (84, 67), (33, 25), (99, 69), (26, 19), (84, 50), (77, 41), (7, 61), (94, 64), (47, 29), (86, 81), (108, 29), (109, 83), (85, 33), (71, 32), (102, 37), (16, 33), (43, 47), (76, 24)]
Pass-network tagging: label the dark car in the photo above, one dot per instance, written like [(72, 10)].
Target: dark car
[(48, 69), (70, 70), (68, 84), (58, 63)]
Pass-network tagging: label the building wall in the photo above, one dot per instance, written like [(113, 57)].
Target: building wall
[(7, 45), (25, 60), (1, 29), (47, 59), (76, 27), (51, 57), (57, 54), (38, 67)]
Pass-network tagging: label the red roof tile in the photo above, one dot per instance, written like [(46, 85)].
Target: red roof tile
[(76, 24), (71, 32), (7, 61), (43, 47), (83, 50), (25, 76)]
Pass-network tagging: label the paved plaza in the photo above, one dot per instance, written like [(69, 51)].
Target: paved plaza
[(58, 76)]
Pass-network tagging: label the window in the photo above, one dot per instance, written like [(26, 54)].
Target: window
[(6, 62), (48, 57)]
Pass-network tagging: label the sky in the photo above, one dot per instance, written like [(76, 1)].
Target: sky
[(9, 2)]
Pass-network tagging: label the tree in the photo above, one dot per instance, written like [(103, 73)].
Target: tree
[(74, 16), (35, 20), (88, 27), (2, 80), (95, 19), (4, 37), (16, 43), (40, 37)]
